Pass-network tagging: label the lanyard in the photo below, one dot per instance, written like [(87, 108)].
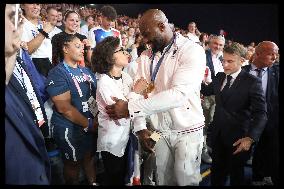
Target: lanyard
[(75, 80), (154, 74)]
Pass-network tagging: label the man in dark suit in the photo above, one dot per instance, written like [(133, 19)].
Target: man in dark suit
[(266, 154), (26, 158), (239, 117)]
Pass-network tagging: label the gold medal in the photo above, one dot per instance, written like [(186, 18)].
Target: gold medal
[(150, 87), (155, 136)]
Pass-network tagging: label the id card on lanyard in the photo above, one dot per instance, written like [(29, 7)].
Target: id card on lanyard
[(85, 105)]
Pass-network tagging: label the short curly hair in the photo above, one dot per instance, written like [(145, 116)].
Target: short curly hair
[(102, 59), (109, 12)]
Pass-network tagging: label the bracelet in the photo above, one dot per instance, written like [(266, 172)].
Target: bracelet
[(90, 125), (43, 33)]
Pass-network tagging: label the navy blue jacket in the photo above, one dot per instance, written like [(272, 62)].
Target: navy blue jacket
[(26, 158), (272, 99), (242, 113)]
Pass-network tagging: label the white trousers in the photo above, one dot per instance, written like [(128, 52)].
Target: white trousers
[(178, 158)]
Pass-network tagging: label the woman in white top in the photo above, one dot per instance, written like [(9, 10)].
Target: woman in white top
[(108, 60)]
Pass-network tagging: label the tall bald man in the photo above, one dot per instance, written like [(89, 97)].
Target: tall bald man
[(266, 155), (174, 81)]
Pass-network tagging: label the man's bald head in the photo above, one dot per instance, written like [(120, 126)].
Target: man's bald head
[(266, 53), (265, 45), (154, 15), (155, 29)]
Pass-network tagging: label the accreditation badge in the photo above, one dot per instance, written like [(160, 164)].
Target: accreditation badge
[(93, 108)]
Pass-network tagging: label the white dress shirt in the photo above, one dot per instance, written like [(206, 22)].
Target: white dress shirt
[(218, 67), (234, 76), (176, 97)]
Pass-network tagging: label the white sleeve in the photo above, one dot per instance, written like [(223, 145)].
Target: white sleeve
[(139, 123), (27, 35), (92, 38), (185, 82)]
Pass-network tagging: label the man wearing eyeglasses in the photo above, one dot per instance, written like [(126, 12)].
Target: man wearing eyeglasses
[(26, 158)]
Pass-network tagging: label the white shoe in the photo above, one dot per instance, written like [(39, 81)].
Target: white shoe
[(267, 181), (205, 157)]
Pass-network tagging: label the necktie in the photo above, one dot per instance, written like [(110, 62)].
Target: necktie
[(259, 72), (226, 87)]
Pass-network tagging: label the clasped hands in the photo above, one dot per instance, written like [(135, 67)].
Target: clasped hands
[(119, 109)]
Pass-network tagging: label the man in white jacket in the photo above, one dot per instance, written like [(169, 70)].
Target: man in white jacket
[(175, 79)]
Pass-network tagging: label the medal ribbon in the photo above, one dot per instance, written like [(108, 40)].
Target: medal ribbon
[(157, 67)]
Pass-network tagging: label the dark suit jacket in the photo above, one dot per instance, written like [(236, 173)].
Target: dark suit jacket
[(272, 99), (26, 158), (242, 113)]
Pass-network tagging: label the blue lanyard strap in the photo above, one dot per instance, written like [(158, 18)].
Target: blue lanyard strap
[(157, 67), (75, 80)]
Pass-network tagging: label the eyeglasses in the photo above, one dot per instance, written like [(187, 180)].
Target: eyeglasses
[(121, 49)]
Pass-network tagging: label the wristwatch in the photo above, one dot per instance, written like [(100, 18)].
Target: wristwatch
[(43, 33)]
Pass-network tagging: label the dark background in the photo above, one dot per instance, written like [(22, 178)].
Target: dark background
[(243, 22)]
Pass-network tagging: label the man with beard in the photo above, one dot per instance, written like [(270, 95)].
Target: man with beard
[(174, 96)]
